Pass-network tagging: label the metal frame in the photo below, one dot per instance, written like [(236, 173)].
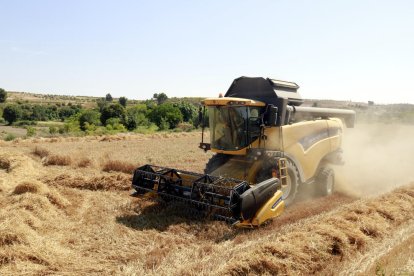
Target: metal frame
[(216, 196)]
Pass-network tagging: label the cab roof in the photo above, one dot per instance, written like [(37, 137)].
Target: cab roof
[(265, 90)]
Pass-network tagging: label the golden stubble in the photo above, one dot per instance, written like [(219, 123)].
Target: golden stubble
[(75, 220)]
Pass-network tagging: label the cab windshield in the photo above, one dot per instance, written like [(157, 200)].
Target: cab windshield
[(233, 127)]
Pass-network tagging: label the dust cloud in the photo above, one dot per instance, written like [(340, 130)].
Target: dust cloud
[(378, 158)]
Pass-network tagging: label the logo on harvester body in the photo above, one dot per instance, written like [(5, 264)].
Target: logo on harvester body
[(276, 203), (309, 140)]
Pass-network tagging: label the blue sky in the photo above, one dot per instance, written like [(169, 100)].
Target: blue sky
[(343, 50)]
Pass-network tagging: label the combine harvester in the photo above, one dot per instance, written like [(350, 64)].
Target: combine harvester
[(266, 146)]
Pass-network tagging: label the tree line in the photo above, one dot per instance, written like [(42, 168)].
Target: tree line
[(108, 114)]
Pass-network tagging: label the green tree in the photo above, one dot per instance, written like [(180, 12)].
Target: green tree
[(113, 111), (123, 101), (101, 103), (166, 113), (67, 111), (136, 116), (3, 95), (108, 97), (188, 110), (89, 117), (161, 98), (12, 113)]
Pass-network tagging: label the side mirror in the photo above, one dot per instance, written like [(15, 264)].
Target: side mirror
[(200, 116), (271, 115)]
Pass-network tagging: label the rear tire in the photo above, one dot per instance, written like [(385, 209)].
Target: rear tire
[(325, 182)]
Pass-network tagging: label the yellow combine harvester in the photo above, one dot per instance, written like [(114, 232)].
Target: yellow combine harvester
[(266, 146)]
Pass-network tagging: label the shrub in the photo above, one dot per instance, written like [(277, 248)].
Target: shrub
[(188, 110), (90, 129), (146, 129), (164, 125), (166, 113), (62, 130), (3, 95), (113, 111), (25, 123), (30, 131), (115, 124), (67, 111), (53, 130), (123, 101), (10, 137), (90, 117), (108, 97), (72, 124), (101, 103), (161, 98), (136, 116), (12, 113)]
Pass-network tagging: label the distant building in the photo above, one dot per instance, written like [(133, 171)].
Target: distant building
[(370, 103)]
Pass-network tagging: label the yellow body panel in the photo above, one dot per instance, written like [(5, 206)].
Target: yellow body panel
[(305, 143), (243, 151), (274, 207)]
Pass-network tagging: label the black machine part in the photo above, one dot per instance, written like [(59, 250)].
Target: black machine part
[(254, 198), (265, 90), (212, 195)]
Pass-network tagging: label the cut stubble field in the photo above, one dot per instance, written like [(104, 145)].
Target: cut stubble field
[(65, 209)]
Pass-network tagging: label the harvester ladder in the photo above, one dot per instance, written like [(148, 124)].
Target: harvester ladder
[(282, 164)]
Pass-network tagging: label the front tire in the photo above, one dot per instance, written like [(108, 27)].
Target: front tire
[(215, 162), (290, 189)]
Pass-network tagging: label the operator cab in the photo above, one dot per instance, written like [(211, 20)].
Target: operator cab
[(234, 123), (250, 104), (233, 127)]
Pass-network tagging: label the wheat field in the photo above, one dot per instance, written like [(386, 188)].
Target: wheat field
[(65, 209)]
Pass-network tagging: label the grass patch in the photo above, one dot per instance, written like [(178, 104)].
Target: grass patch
[(146, 129), (41, 152), (49, 123), (84, 162), (5, 164), (118, 166), (10, 137), (58, 160), (27, 187)]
